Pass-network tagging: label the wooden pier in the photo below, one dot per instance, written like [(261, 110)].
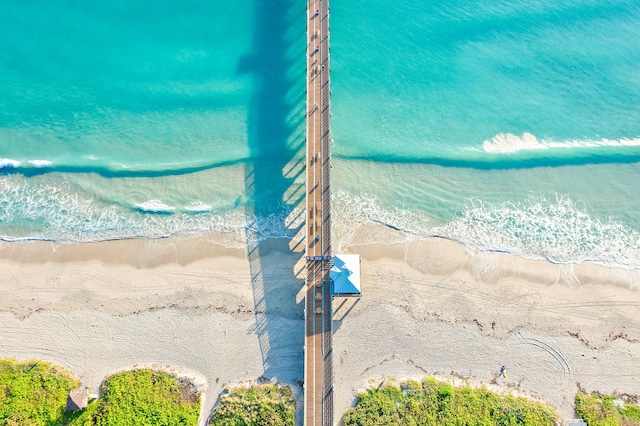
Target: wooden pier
[(318, 348)]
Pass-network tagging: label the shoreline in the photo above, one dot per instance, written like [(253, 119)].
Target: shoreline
[(184, 248), (232, 316)]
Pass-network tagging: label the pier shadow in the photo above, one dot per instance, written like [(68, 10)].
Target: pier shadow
[(344, 307), (274, 184)]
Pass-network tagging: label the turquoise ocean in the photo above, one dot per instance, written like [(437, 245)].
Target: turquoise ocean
[(509, 126)]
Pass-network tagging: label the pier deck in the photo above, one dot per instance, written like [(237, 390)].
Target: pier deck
[(318, 366)]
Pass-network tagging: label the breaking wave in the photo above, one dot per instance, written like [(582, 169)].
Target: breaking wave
[(553, 227), (507, 143), (9, 163), (351, 213), (155, 206), (57, 212), (40, 163)]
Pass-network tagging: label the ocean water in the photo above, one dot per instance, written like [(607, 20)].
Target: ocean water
[(506, 125)]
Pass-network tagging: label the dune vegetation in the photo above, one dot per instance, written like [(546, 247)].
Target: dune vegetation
[(607, 410), (33, 393), (438, 403), (143, 398), (265, 405)]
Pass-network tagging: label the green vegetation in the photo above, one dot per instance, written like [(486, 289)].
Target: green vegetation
[(33, 393), (142, 398), (260, 405), (606, 410), (438, 403)]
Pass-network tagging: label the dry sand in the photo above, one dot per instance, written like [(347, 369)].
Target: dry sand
[(225, 317)]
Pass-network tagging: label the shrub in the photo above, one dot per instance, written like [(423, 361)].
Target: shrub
[(601, 410), (142, 398), (263, 405), (437, 403), (33, 393)]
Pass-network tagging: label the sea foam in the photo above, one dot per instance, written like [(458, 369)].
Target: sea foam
[(9, 163), (352, 213), (507, 143), (40, 163), (155, 206), (550, 226), (57, 212), (553, 227), (198, 207)]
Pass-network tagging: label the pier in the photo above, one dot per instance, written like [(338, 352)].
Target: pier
[(318, 347)]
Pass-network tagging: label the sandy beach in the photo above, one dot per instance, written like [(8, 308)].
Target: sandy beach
[(230, 316)]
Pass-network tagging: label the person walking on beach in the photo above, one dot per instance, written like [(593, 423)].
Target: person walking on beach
[(503, 372)]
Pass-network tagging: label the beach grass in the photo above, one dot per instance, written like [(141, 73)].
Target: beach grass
[(436, 403), (258, 405), (33, 392), (607, 410), (144, 398)]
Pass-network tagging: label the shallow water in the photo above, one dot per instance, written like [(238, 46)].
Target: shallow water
[(510, 126)]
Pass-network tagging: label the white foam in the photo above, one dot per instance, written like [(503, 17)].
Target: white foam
[(53, 211), (552, 227), (154, 206), (197, 207), (40, 163), (507, 143), (9, 163), (351, 212)]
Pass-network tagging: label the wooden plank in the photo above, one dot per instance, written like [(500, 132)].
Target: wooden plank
[(318, 380)]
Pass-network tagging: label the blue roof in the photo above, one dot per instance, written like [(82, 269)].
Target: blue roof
[(345, 274)]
